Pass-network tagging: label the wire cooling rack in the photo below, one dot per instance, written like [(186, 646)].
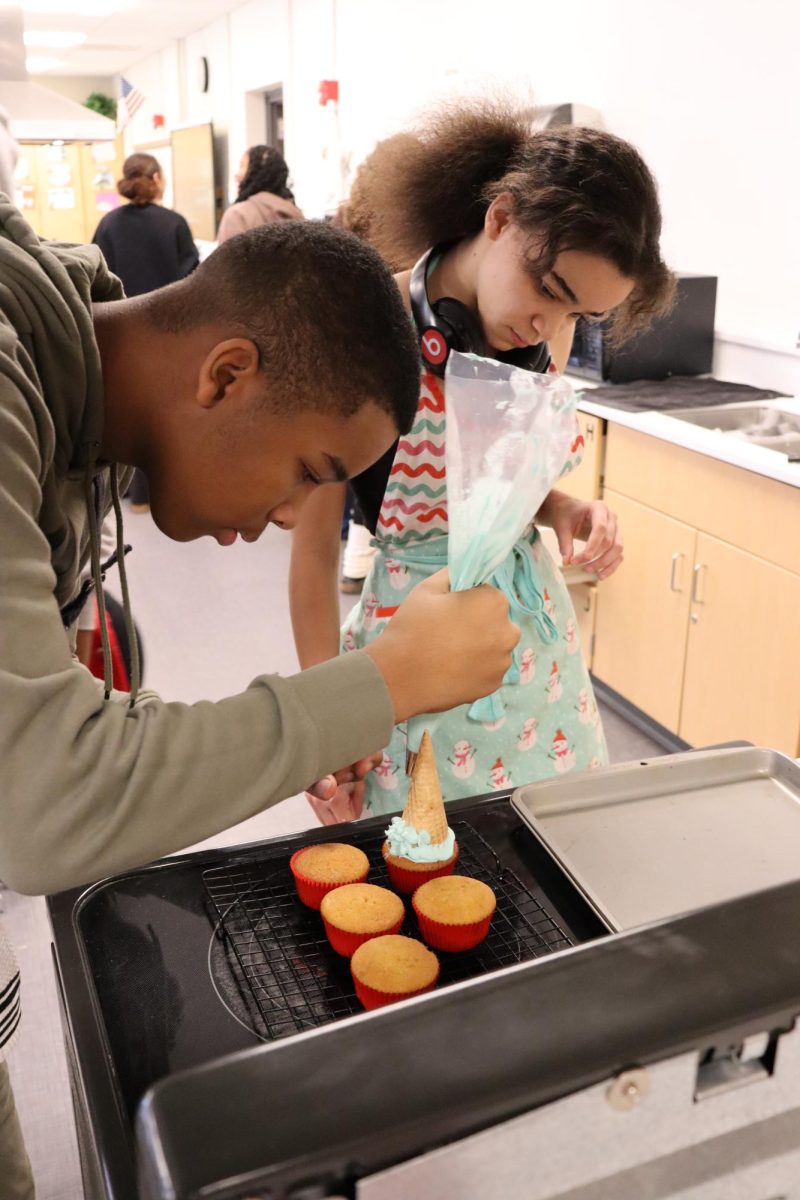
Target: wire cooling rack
[(287, 974)]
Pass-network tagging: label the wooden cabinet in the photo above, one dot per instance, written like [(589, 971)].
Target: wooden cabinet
[(700, 632), (743, 651), (584, 481), (643, 612)]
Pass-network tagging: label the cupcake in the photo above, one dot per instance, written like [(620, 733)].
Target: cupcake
[(357, 912), (390, 968), (454, 913), (420, 845), (319, 869)]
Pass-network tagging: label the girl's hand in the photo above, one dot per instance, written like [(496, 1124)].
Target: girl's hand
[(340, 797), (592, 522)]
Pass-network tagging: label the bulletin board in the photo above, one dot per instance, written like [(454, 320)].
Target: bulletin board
[(64, 189), (193, 179)]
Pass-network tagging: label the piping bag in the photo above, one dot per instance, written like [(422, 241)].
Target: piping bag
[(509, 433)]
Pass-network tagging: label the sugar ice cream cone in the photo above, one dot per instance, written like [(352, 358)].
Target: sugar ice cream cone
[(425, 807)]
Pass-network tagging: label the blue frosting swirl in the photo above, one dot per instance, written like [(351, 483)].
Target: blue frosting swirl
[(415, 844)]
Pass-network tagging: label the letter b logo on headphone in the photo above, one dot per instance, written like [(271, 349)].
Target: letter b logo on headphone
[(434, 347)]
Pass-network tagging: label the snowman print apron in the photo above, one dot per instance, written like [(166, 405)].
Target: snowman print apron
[(548, 724)]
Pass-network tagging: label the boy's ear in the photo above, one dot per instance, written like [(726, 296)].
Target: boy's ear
[(499, 215), (228, 363)]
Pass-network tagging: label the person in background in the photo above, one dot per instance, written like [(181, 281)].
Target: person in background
[(506, 237), (9, 153), (264, 193), (284, 363), (147, 246)]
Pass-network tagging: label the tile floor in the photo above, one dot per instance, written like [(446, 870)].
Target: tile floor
[(211, 619)]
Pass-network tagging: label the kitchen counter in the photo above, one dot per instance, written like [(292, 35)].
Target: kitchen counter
[(693, 437)]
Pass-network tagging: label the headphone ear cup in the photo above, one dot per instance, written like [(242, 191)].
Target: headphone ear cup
[(461, 326), (444, 326)]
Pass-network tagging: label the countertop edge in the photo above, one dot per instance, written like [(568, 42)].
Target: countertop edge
[(692, 437)]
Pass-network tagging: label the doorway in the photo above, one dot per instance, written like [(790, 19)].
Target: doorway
[(273, 100)]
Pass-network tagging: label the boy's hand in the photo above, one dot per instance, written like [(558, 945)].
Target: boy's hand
[(444, 648)]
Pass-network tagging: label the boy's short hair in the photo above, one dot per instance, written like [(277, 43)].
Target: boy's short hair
[(321, 307)]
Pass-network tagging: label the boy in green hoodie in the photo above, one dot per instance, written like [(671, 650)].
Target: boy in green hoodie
[(286, 361)]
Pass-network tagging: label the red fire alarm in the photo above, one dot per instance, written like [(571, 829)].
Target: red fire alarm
[(158, 121), (329, 90)]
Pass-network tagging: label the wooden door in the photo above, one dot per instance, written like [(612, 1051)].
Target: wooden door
[(743, 656), (643, 611)]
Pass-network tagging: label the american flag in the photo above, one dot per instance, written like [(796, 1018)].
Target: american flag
[(130, 101)]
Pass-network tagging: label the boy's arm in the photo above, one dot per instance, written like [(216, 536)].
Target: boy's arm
[(314, 576), (89, 787)]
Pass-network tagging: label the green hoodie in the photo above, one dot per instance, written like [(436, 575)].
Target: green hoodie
[(89, 784)]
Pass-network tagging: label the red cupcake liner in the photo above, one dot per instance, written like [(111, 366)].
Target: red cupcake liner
[(311, 891), (371, 998), (408, 881), (442, 936), (346, 944)]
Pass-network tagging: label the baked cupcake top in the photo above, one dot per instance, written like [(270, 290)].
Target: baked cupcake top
[(362, 908), (395, 964), (455, 900), (332, 862)]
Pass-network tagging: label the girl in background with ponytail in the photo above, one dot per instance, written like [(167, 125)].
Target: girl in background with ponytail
[(502, 238), (145, 244)]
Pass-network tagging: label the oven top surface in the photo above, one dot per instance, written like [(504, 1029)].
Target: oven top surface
[(192, 959)]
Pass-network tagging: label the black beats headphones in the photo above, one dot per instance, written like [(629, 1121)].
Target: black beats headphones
[(449, 325)]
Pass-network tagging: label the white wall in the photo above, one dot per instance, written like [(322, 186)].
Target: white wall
[(707, 89)]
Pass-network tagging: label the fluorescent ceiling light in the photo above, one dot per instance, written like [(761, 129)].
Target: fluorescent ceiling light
[(37, 64), (53, 40), (74, 8)]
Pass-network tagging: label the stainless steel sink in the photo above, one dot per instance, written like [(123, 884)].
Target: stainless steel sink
[(760, 424)]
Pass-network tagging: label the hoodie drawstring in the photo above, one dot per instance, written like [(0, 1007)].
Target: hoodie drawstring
[(130, 628), (94, 544), (97, 576)]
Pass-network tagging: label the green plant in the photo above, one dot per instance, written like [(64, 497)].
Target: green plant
[(102, 104)]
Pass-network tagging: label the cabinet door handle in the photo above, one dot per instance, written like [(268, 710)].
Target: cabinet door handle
[(698, 567), (676, 558)]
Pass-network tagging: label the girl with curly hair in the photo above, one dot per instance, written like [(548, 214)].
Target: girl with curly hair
[(502, 238)]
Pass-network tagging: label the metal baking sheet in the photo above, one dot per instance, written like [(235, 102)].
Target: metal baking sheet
[(648, 840)]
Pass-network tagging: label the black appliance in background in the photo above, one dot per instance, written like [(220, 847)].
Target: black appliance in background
[(681, 343)]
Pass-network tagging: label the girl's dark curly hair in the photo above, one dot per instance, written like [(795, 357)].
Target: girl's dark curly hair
[(266, 172), (572, 188)]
